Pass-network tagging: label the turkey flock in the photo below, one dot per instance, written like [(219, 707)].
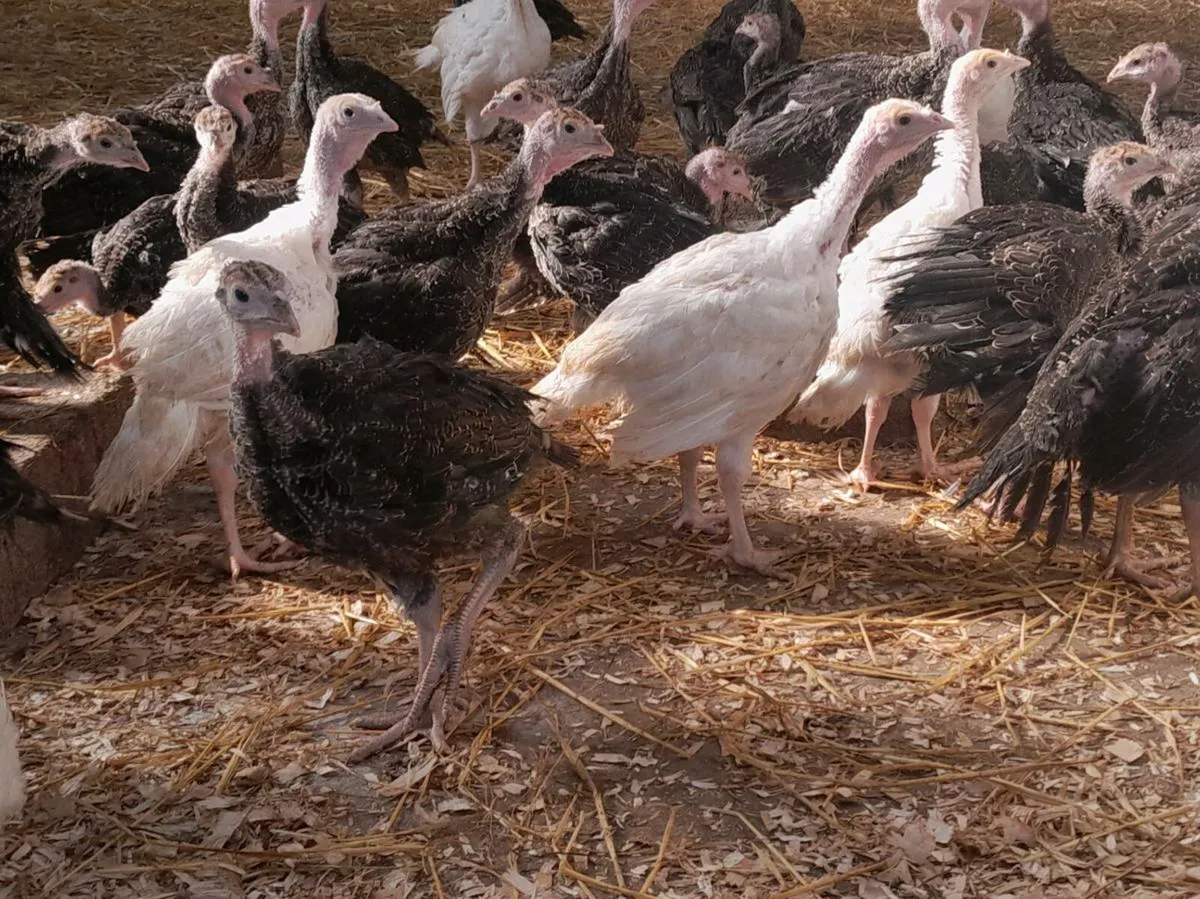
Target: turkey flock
[(846, 231)]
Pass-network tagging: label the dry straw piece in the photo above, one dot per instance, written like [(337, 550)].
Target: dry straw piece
[(914, 709)]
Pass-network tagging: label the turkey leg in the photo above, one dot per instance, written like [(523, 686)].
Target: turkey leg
[(1189, 502), (448, 654), (116, 328), (219, 458), (923, 411), (735, 459), (1118, 560), (875, 414), (693, 516)]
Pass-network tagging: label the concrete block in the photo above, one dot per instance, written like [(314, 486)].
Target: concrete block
[(63, 435)]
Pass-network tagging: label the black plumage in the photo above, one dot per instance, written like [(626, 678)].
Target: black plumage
[(1013, 172), (557, 16), (381, 460), (985, 302), (1116, 400), (793, 128), (19, 497), (1057, 108), (321, 74), (709, 80)]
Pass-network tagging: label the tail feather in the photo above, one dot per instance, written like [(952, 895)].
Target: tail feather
[(561, 454), (20, 498), (840, 391), (560, 393), (155, 440), (428, 57)]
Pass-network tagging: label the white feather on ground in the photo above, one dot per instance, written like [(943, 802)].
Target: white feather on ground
[(12, 781)]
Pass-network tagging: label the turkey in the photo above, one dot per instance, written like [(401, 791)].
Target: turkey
[(558, 18), (31, 159), (983, 303), (1172, 131), (320, 74), (182, 348), (12, 781), (605, 223), (818, 105), (131, 261), (856, 370), (20, 498), (479, 48), (424, 278), (1057, 109), (1116, 404), (710, 79), (600, 85), (729, 20), (94, 198), (715, 342), (381, 460)]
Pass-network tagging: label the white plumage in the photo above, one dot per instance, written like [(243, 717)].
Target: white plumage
[(716, 341), (183, 347), (12, 781), (855, 369), (481, 47)]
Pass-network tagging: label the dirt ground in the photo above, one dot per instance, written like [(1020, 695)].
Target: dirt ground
[(914, 708)]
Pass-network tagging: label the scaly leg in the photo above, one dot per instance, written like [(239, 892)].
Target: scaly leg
[(1189, 502), (875, 414), (398, 181), (476, 165), (692, 516), (448, 654), (219, 458), (116, 359), (421, 601), (1118, 560), (923, 411), (734, 463)]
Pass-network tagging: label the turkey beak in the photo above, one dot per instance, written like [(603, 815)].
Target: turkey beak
[(940, 122), (270, 83), (490, 109), (1117, 73), (386, 123), (135, 160), (285, 318), (603, 147)]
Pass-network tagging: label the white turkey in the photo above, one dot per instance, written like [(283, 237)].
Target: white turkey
[(716, 341), (480, 48), (183, 347), (856, 369)]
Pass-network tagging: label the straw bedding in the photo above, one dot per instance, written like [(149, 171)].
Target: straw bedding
[(915, 709)]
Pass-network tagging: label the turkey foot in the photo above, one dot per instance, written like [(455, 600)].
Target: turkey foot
[(1135, 570), (284, 548), (114, 361), (760, 561), (701, 522), (240, 562), (861, 479)]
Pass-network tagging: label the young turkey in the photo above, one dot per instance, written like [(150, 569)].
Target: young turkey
[(983, 303), (1057, 109), (31, 159), (857, 371), (320, 74), (231, 82), (793, 129), (385, 461), (1116, 403), (1170, 130), (479, 48), (183, 347), (605, 223), (558, 18), (715, 342), (709, 80), (424, 278), (94, 198)]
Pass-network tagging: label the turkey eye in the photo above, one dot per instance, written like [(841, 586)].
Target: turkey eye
[(58, 288), (517, 97), (991, 64), (241, 296), (1137, 62), (348, 112), (105, 143), (569, 128), (905, 120), (1129, 160), (247, 70), (737, 171)]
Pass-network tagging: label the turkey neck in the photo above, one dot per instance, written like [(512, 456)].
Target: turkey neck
[(210, 184), (264, 39), (764, 58), (839, 196), (1113, 210), (1040, 47), (320, 181), (313, 39), (957, 151), (233, 98), (253, 354), (1160, 97)]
